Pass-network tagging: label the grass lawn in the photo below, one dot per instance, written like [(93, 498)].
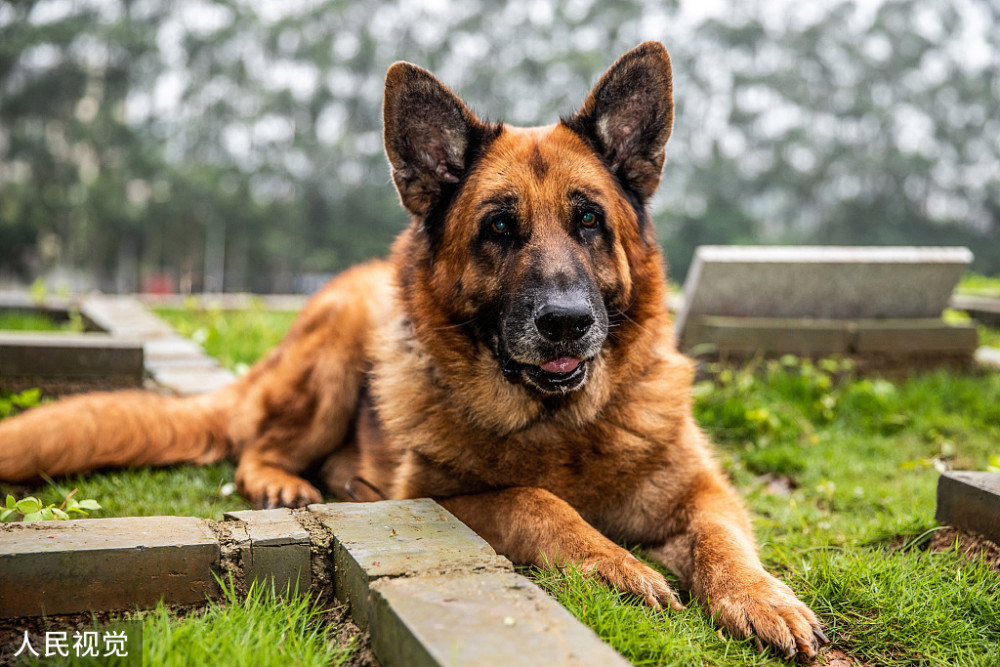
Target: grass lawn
[(982, 285), (15, 321), (838, 471)]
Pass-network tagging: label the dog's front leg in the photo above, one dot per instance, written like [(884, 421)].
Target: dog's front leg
[(713, 553), (533, 526)]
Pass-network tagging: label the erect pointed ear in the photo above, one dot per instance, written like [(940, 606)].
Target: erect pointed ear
[(628, 117), (427, 134)]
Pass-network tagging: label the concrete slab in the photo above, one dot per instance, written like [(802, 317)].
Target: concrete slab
[(185, 382), (821, 337), (398, 538), (66, 567), (915, 336), (124, 316), (172, 347), (970, 501), (750, 335), (493, 618), (832, 282), (814, 301), (65, 356), (983, 309), (275, 549)]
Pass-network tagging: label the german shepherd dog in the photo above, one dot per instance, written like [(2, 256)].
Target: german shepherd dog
[(514, 359)]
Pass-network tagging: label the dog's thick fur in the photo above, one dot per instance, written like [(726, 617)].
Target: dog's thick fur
[(513, 359)]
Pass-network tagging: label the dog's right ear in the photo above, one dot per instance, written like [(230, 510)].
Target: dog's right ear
[(427, 134)]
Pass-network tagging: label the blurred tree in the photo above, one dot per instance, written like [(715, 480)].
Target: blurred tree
[(71, 165), (854, 130), (237, 144)]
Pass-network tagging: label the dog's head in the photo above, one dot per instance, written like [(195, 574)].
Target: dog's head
[(532, 243)]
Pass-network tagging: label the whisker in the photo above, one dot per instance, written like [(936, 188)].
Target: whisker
[(453, 326)]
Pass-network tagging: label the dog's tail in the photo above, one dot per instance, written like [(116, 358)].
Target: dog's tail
[(114, 429)]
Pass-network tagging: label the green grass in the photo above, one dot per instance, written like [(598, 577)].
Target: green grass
[(837, 471), (258, 629), (204, 492), (237, 338), (973, 283), (20, 321), (861, 457)]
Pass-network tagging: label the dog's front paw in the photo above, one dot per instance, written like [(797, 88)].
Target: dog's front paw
[(626, 573), (757, 605), (275, 488)]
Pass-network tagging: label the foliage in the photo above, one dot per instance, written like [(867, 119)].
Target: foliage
[(12, 403), (238, 148), (32, 509)]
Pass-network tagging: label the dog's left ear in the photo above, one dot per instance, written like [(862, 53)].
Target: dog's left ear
[(427, 131), (628, 117)]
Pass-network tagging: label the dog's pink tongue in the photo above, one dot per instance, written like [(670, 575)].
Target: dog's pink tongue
[(561, 365)]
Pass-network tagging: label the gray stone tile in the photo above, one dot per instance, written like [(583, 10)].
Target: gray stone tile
[(65, 567), (398, 538), (482, 619)]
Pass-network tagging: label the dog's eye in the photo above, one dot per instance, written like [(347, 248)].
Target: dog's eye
[(500, 225), (589, 219)]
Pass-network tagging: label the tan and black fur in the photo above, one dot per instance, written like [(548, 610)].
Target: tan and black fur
[(513, 359)]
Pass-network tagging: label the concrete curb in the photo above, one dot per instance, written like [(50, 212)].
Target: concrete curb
[(428, 589)]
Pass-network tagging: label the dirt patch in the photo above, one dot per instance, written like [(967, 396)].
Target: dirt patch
[(837, 658), (349, 633), (231, 566), (320, 555), (972, 546)]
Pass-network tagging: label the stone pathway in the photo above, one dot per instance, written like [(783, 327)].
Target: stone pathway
[(173, 361), (427, 588)]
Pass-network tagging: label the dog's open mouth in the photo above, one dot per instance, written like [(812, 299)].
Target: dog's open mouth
[(558, 375)]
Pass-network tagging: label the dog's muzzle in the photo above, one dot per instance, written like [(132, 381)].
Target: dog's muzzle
[(550, 337)]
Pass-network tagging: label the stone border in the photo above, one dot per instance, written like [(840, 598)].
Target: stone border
[(427, 588), (970, 501), (130, 340), (174, 362)]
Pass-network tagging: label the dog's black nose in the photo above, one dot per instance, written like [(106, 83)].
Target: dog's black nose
[(566, 318)]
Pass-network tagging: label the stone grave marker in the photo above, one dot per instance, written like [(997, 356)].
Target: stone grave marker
[(864, 302)]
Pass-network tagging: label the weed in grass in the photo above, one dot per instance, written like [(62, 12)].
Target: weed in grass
[(32, 509), (177, 490), (12, 403)]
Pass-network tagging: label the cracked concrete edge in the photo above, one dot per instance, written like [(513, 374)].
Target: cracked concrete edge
[(332, 568), (230, 535), (321, 559)]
